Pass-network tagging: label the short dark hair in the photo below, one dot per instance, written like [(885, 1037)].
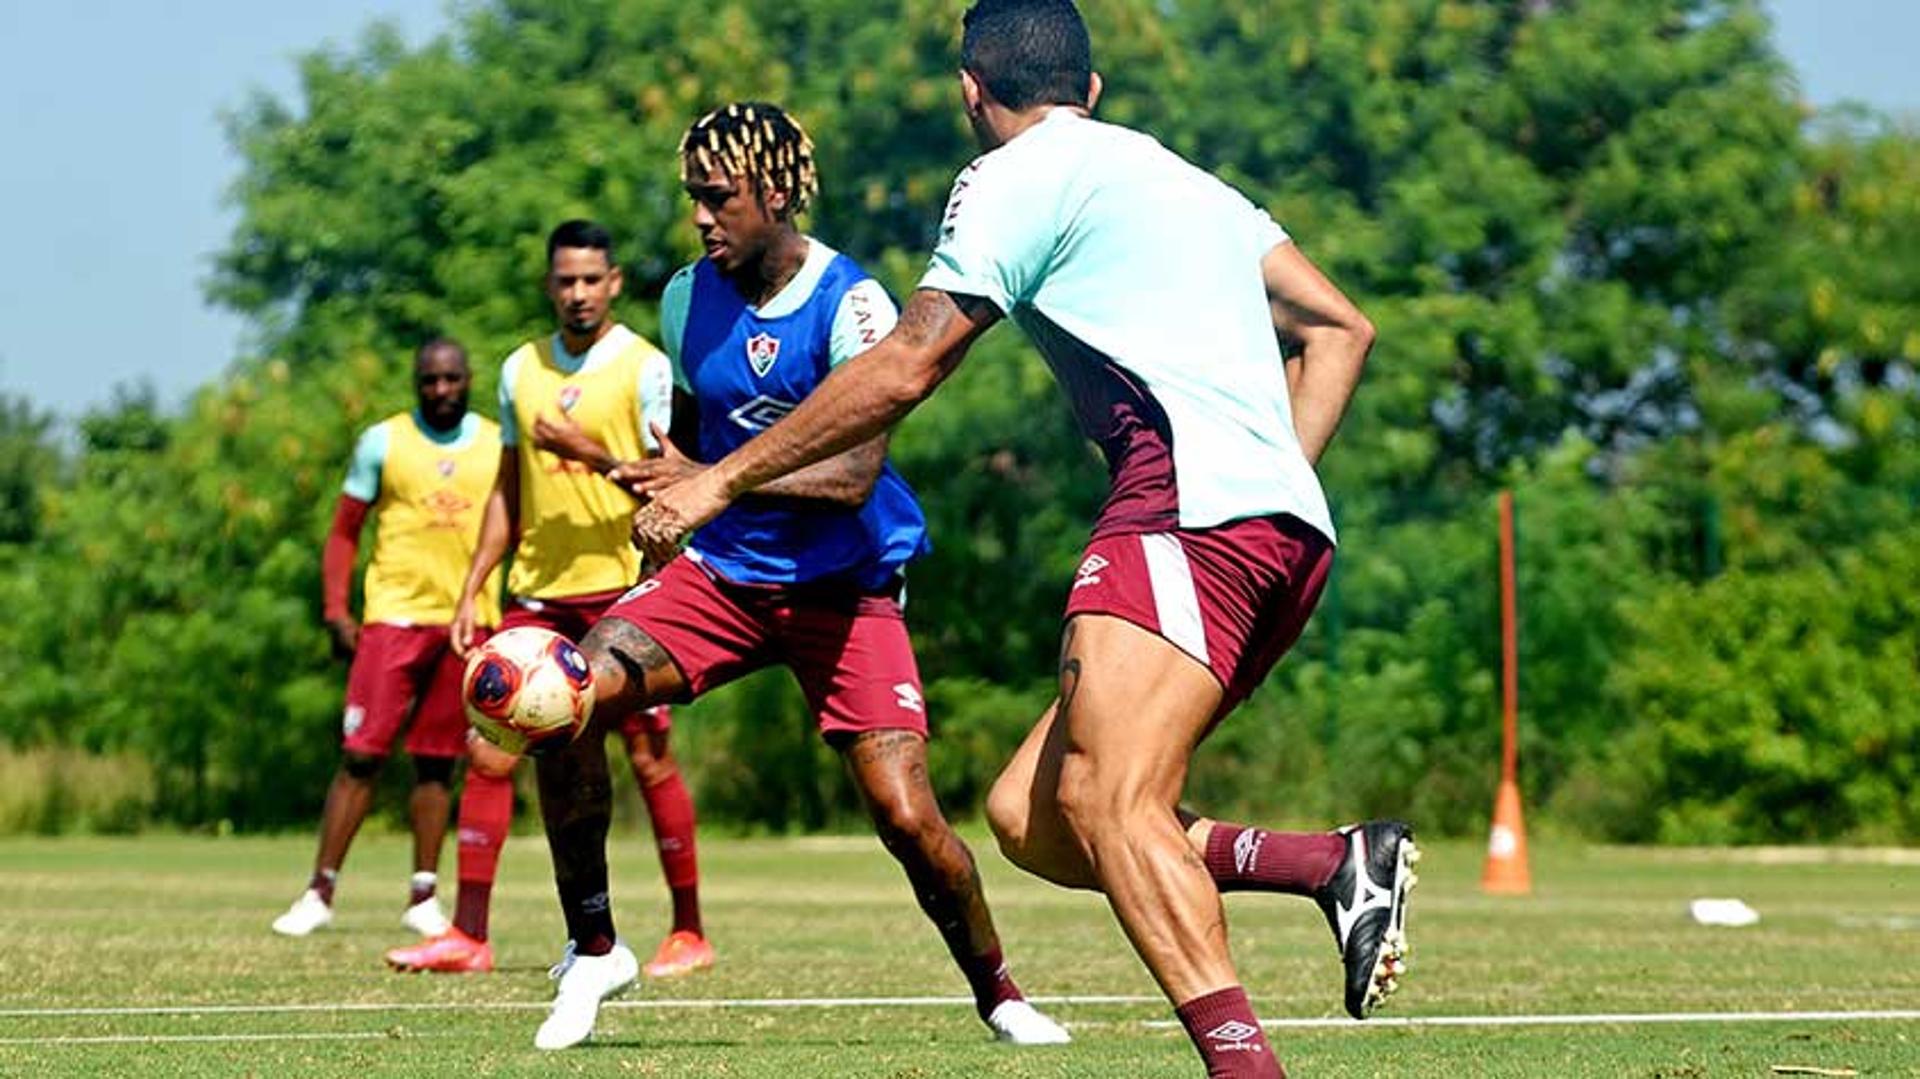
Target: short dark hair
[(1028, 52), (441, 344), (580, 233)]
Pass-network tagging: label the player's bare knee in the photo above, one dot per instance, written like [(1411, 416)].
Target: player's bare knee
[(651, 769), (1009, 814)]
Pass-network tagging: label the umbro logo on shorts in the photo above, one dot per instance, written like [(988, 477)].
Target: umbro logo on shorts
[(351, 719), (761, 413), (639, 590), (907, 696), (1089, 571)]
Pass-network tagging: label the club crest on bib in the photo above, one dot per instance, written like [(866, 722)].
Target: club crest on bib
[(762, 350), (569, 397)]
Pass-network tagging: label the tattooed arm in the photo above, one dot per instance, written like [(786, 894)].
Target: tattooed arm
[(861, 399)]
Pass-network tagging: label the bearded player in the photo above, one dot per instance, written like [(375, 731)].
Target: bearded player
[(805, 573), (422, 476), (1160, 297), (590, 390)]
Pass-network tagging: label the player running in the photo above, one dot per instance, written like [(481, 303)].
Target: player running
[(806, 572), (1155, 292), (422, 475), (591, 389)]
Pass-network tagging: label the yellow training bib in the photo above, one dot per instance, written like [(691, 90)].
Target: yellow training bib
[(575, 525), (427, 518)]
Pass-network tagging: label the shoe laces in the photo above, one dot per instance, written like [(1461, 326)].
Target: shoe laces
[(565, 964)]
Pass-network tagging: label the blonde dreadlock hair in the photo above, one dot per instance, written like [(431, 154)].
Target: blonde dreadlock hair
[(756, 142)]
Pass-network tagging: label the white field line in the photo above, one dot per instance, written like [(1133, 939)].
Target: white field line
[(154, 1039), (1624, 1019), (527, 1005), (1620, 1019), (1385, 1022)]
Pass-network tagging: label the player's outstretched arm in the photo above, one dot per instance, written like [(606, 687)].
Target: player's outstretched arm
[(499, 526), (1334, 339), (860, 400)]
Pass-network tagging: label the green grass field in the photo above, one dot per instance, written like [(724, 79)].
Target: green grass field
[(114, 926)]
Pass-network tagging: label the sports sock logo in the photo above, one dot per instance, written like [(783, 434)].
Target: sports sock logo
[(1234, 1036), (1246, 851)]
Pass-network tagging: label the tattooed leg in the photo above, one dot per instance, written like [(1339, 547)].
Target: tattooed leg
[(890, 769), (576, 795)]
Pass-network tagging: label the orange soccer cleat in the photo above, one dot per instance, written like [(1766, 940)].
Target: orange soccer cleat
[(683, 952), (452, 952)]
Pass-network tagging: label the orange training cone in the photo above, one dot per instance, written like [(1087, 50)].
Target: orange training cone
[(1507, 872)]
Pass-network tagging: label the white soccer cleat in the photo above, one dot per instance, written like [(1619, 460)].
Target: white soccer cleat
[(1018, 1023), (426, 918), (308, 913), (586, 981)]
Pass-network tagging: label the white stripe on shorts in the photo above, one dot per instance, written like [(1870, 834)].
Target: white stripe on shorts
[(1175, 602)]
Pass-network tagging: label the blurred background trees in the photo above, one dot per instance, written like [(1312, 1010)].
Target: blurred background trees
[(1615, 264)]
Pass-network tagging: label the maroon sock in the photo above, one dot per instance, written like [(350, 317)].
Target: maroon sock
[(486, 814), (470, 906), (322, 882), (671, 809), (1231, 1043), (992, 984), (1246, 859)]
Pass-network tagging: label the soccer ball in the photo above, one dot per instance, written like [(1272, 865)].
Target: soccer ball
[(526, 688)]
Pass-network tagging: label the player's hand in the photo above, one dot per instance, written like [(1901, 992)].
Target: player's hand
[(642, 478), (562, 437), (346, 635), (664, 524), (461, 634)]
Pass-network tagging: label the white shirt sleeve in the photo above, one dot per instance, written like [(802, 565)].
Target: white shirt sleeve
[(866, 314), (655, 391), (998, 235), (369, 460), (1267, 233), (509, 427), (675, 302)]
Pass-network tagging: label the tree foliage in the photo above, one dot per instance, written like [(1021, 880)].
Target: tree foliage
[(1615, 267)]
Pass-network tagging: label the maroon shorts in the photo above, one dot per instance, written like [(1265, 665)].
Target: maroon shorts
[(572, 617), (394, 668), (848, 649), (1234, 597)]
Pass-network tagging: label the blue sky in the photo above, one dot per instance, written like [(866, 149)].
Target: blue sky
[(116, 163)]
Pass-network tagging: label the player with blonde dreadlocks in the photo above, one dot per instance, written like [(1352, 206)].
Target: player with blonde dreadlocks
[(806, 573)]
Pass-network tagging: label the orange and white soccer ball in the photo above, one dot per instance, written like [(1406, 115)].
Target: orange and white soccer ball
[(527, 688)]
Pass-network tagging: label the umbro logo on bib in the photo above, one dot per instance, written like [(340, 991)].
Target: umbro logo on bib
[(569, 397), (445, 465), (762, 350)]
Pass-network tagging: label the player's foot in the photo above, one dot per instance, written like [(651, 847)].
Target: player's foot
[(683, 952), (426, 918), (1366, 906), (586, 981), (308, 913), (1019, 1023), (452, 952)]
